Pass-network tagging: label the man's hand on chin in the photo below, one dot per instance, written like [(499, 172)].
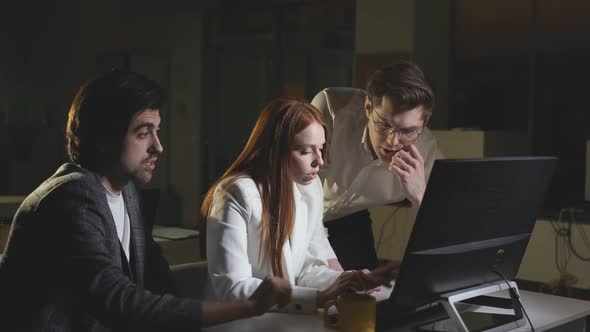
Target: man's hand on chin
[(408, 165)]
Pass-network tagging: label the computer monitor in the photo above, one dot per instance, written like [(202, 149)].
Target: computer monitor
[(473, 226)]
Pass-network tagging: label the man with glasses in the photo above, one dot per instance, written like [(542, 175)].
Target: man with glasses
[(380, 153)]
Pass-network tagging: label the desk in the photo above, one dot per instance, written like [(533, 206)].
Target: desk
[(179, 245), (546, 312)]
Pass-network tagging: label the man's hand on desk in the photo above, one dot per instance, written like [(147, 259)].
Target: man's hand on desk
[(272, 290), (382, 275), (385, 273)]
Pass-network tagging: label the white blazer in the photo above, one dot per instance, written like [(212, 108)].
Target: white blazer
[(235, 264)]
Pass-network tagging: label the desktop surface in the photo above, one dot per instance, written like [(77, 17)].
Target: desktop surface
[(546, 312)]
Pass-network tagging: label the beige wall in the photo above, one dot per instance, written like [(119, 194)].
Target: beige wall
[(384, 26), (539, 259), (479, 144)]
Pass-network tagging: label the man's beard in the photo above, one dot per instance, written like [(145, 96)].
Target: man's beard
[(142, 177)]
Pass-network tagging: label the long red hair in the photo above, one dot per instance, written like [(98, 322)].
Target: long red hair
[(265, 159)]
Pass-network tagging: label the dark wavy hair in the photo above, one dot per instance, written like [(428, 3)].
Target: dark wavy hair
[(101, 112), (405, 84)]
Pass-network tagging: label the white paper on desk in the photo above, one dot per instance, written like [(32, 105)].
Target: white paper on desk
[(383, 293), (492, 310), (173, 233)]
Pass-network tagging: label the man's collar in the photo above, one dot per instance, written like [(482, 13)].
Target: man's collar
[(365, 141)]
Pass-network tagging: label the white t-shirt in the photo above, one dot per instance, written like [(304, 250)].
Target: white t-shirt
[(121, 217)]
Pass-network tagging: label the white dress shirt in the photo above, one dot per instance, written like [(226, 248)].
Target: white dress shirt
[(352, 180), (235, 264)]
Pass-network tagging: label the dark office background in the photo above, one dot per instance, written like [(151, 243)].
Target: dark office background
[(509, 65)]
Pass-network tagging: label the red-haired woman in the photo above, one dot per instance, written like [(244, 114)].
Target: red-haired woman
[(264, 215)]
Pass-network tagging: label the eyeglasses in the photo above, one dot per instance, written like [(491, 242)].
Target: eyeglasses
[(407, 135)]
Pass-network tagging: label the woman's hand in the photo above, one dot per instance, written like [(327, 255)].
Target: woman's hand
[(345, 282), (334, 264), (358, 281)]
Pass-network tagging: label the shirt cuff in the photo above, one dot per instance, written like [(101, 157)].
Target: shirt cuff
[(303, 301)]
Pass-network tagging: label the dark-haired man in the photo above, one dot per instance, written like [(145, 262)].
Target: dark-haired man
[(78, 257), (380, 152)]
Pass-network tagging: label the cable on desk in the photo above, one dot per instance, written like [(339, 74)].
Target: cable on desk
[(582, 235), (514, 294)]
